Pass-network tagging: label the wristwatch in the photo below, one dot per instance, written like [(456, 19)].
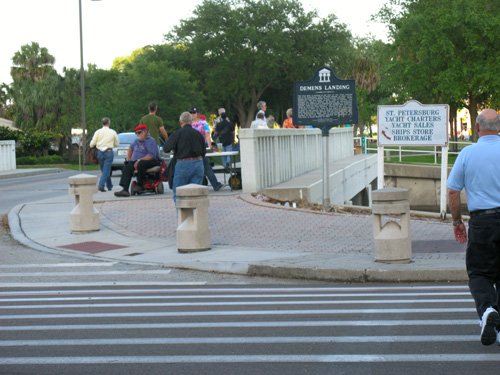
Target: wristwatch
[(457, 222)]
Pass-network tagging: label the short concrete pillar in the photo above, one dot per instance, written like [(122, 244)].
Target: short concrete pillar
[(84, 217), (392, 239), (193, 233)]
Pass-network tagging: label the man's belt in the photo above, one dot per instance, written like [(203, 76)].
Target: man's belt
[(193, 158), (489, 211)]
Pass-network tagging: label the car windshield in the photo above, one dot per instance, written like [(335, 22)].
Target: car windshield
[(126, 138)]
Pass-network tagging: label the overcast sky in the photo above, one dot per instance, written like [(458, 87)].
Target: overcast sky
[(113, 28)]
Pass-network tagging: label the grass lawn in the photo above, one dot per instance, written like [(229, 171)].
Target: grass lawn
[(70, 166)]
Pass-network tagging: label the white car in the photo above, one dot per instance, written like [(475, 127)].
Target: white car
[(120, 152)]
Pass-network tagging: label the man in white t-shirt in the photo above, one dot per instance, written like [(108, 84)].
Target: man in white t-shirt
[(104, 139)]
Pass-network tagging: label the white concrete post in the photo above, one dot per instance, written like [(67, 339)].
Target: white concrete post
[(7, 155), (84, 217), (193, 233), (392, 239)]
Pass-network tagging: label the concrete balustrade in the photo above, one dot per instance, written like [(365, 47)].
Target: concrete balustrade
[(193, 233), (7, 155), (392, 239), (273, 156), (84, 217)]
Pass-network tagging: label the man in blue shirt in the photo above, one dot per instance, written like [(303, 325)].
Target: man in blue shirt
[(477, 169), (142, 154)]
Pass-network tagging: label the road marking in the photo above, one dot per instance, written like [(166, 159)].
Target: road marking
[(6, 285), (248, 313), (86, 273), (243, 303), (242, 340), (287, 324), (225, 296), (341, 358), (54, 265), (263, 290)]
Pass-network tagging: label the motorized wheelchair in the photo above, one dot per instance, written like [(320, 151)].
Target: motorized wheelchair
[(153, 182)]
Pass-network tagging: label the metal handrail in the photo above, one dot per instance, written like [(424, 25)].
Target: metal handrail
[(365, 143)]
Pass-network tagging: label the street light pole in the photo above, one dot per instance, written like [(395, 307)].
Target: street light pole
[(83, 123)]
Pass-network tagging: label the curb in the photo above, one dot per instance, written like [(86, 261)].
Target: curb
[(359, 276), (29, 172)]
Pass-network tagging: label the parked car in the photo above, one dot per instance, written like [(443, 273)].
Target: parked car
[(120, 152)]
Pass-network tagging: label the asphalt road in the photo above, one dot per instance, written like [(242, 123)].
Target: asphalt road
[(242, 329), (14, 191)]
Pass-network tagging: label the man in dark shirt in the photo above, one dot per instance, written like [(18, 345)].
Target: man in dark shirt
[(189, 149), (225, 132)]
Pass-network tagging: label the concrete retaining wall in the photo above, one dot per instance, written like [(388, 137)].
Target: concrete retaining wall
[(423, 182)]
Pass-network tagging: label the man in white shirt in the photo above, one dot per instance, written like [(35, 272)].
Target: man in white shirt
[(104, 140), (259, 122)]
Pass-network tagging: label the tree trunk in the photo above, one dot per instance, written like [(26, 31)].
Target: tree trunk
[(473, 116)]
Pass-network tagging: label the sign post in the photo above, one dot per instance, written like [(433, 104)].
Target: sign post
[(415, 124), (324, 101)]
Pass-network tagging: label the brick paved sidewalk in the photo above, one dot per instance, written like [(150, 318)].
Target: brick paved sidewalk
[(236, 222)]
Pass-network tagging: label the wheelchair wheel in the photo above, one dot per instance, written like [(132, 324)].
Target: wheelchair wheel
[(159, 189)]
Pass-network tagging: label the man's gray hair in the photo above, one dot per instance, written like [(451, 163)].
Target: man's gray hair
[(289, 112), (488, 121), (186, 118), (260, 105), (106, 121)]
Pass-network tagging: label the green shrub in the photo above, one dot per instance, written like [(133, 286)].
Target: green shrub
[(32, 160), (26, 160), (8, 134)]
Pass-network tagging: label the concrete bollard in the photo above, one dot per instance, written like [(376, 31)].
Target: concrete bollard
[(193, 233), (84, 217), (392, 240)]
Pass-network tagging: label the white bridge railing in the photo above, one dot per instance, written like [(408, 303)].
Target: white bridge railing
[(7, 155), (273, 156)]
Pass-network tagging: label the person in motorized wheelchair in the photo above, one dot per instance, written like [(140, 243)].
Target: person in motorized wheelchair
[(143, 154)]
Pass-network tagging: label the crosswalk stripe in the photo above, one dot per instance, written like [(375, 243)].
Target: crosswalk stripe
[(236, 296), (195, 291), (85, 273), (246, 324), (244, 303), (57, 265), (238, 313), (341, 358), (189, 324), (241, 340), (6, 285)]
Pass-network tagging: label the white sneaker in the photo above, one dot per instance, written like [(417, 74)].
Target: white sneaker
[(489, 323)]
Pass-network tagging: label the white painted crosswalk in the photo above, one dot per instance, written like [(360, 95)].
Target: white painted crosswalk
[(213, 327)]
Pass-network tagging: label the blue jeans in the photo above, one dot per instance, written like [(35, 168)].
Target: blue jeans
[(226, 160), (209, 172), (105, 159), (188, 172)]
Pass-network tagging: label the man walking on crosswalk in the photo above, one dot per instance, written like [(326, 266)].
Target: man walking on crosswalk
[(477, 169)]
